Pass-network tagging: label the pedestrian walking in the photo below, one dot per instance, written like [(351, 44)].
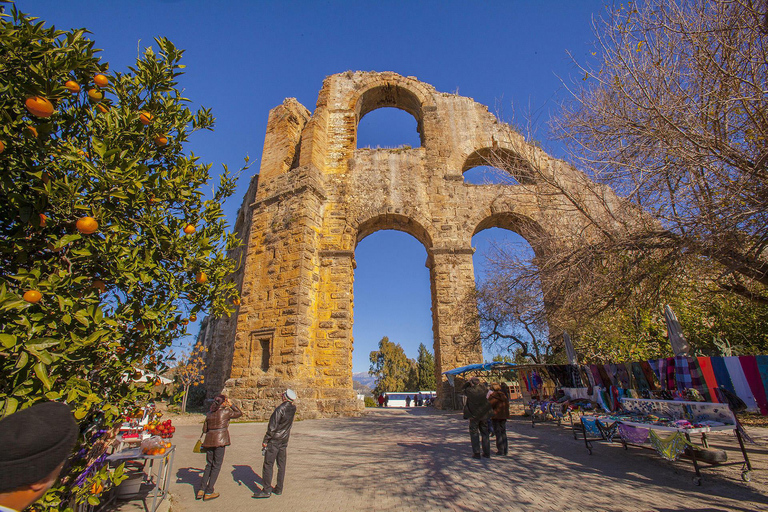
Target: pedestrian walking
[(407, 400), (381, 399), (499, 400), (386, 400), (216, 430), (275, 444), (477, 410)]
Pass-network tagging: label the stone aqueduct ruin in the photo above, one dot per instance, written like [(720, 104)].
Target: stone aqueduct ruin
[(317, 196)]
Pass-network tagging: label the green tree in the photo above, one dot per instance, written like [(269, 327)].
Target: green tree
[(389, 366), (107, 244), (425, 364)]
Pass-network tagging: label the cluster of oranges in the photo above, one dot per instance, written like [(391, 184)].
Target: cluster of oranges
[(157, 448)]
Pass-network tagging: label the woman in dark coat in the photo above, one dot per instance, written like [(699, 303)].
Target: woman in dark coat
[(216, 430), (499, 399)]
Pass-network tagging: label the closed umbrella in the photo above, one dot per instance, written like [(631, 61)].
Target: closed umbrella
[(570, 352), (676, 338)]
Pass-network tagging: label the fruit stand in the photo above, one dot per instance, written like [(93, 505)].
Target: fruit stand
[(144, 446)]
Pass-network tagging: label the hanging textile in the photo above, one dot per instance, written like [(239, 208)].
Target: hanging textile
[(587, 378), (634, 435), (604, 375), (632, 380), (640, 381), (762, 366), (697, 379), (607, 431), (721, 373), (740, 383), (663, 363), (650, 375), (670, 374), (752, 374), (709, 376), (682, 373), (596, 375), (670, 447), (590, 427), (654, 364), (574, 371), (622, 376)]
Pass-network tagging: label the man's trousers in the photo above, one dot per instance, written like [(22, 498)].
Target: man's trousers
[(275, 452)]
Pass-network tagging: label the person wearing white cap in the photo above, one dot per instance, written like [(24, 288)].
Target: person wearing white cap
[(275, 443)]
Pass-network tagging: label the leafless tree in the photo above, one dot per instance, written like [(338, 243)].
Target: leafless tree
[(674, 117)]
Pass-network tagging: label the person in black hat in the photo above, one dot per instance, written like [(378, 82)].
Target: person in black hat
[(36, 442), (275, 443)]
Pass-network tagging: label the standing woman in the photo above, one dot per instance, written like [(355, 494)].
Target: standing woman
[(216, 430), (499, 399)]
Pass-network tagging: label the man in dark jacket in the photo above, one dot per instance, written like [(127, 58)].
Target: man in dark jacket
[(275, 443), (477, 410)]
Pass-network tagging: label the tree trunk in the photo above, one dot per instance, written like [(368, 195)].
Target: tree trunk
[(184, 399)]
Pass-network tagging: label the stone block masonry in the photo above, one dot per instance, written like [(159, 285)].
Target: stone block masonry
[(317, 195)]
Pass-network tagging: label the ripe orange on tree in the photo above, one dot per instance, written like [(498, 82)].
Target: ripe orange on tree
[(193, 317), (87, 225), (2, 147), (42, 220), (101, 80), (72, 86), (32, 296), (161, 140), (146, 118), (97, 488), (101, 108), (201, 278), (236, 302), (30, 130), (39, 106), (189, 229), (95, 95)]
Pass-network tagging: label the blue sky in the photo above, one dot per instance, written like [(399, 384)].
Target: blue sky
[(243, 58)]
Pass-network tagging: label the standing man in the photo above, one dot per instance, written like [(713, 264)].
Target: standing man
[(477, 410), (36, 443), (275, 443)]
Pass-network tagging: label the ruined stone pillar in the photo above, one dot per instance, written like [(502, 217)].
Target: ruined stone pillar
[(456, 333)]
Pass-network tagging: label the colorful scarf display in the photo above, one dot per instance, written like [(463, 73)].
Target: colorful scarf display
[(682, 373), (752, 374), (705, 364), (633, 435), (670, 447), (590, 427), (739, 381), (721, 373)]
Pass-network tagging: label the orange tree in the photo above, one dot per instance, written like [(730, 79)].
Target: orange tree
[(107, 244)]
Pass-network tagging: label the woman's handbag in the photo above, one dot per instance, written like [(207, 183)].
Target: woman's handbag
[(199, 445)]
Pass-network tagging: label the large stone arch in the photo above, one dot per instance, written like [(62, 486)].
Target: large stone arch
[(317, 195)]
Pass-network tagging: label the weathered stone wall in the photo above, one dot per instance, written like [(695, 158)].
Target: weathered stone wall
[(318, 195)]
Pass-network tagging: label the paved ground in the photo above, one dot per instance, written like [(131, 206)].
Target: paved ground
[(421, 460)]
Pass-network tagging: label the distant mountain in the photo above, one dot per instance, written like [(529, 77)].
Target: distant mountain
[(364, 379)]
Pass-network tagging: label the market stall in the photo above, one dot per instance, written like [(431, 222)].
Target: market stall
[(666, 426)]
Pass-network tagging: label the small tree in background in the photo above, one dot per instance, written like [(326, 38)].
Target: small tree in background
[(108, 248), (191, 371), (389, 366), (425, 364)]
